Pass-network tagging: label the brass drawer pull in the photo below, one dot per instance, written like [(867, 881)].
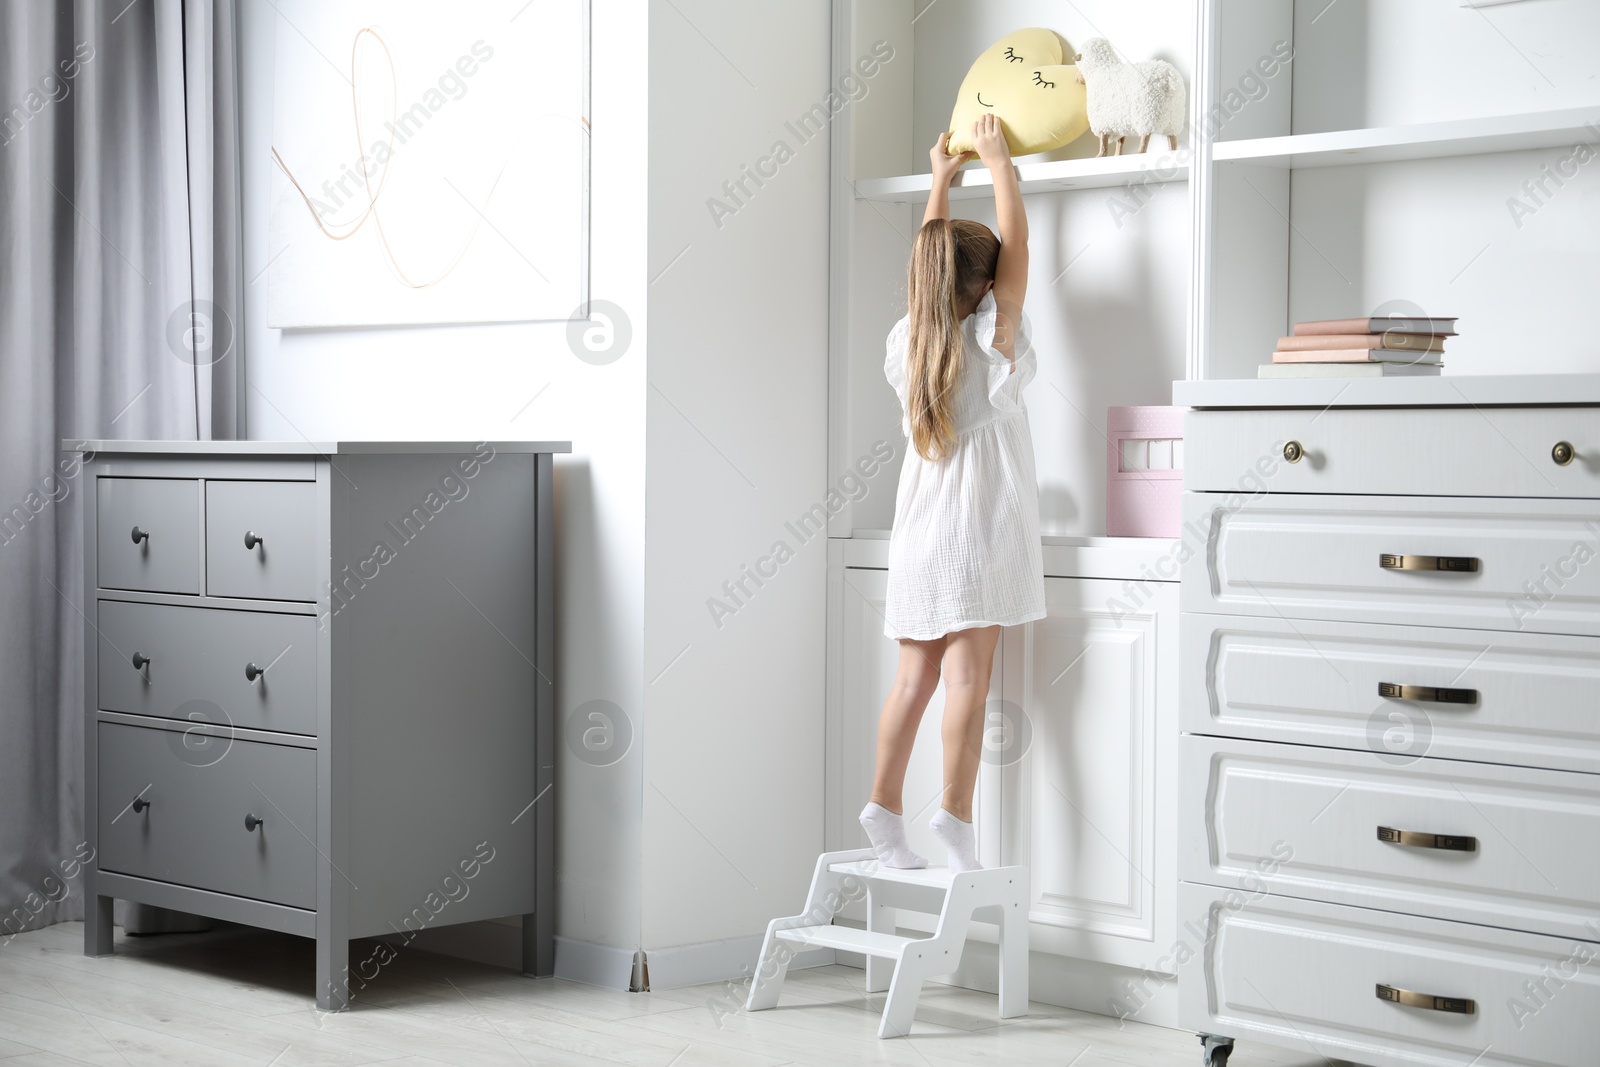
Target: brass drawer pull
[(1434, 694), (1563, 453), (1413, 839), (1456, 1005), (1293, 451), (1391, 561)]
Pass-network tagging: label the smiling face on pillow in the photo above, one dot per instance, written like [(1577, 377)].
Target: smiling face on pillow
[(1022, 79)]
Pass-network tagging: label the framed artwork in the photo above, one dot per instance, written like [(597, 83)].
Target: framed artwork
[(430, 162)]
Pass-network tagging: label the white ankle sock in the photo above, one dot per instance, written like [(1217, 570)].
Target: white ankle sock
[(958, 838), (887, 832)]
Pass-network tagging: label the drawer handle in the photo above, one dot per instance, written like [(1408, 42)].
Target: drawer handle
[(1434, 694), (1294, 451), (141, 535), (252, 672), (1413, 839), (1391, 561), (1563, 453), (140, 661), (252, 539), (1456, 1005), (139, 804), (252, 823)]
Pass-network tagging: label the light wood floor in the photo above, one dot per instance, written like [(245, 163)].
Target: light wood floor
[(237, 996)]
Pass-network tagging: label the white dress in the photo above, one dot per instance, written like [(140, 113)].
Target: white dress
[(965, 549)]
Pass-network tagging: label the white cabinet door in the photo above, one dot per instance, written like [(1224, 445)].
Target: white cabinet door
[(866, 662), (1087, 791)]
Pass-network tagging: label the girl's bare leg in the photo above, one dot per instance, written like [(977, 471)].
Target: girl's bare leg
[(915, 680), (916, 677), (968, 661)]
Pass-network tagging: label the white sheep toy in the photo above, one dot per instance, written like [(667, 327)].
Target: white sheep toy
[(1130, 99)]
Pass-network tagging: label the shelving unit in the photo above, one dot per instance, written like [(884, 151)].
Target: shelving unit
[(1110, 240), (1404, 165)]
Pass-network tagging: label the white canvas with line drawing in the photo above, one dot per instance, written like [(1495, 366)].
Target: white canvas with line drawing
[(430, 162)]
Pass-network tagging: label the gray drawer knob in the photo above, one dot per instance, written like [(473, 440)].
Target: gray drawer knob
[(1293, 451), (1563, 453), (140, 534), (252, 672), (139, 804), (252, 823), (140, 661), (252, 539)]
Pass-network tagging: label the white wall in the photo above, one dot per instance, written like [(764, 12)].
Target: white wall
[(476, 382), (737, 424)]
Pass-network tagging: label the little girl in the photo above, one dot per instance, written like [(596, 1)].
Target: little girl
[(964, 555)]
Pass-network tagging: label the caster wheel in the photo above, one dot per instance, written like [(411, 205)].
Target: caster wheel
[(1216, 1050)]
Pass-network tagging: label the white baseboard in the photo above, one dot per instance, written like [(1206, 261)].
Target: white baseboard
[(733, 960), (1083, 985), (498, 943), (592, 964)]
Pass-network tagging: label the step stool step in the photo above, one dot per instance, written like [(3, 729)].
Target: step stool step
[(872, 870), (848, 939), (929, 877)]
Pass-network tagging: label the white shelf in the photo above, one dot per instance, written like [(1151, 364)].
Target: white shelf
[(1432, 140), (975, 181), (1445, 390)]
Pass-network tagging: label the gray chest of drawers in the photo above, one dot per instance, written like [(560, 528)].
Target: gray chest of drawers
[(319, 689), (1390, 698)]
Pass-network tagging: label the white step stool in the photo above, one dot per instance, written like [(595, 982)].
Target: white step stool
[(996, 895)]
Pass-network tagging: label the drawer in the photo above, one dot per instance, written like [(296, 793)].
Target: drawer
[(1304, 975), (1463, 451), (1533, 697), (164, 513), (261, 540), (197, 665), (1304, 821), (190, 829), (1321, 557)]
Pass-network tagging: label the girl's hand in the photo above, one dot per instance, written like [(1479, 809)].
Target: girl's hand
[(944, 164), (990, 140)]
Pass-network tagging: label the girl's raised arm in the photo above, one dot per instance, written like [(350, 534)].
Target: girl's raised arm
[(944, 170), (1011, 273)]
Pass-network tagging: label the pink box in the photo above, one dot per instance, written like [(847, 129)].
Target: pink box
[(1144, 472)]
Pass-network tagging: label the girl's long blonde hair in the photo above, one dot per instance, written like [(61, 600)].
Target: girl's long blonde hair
[(952, 262)]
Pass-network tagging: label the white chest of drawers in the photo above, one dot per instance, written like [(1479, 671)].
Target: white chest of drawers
[(319, 690), (1390, 704)]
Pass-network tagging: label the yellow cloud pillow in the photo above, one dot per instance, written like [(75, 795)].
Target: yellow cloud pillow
[(1022, 79)]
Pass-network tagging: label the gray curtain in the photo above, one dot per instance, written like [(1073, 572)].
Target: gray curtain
[(120, 293)]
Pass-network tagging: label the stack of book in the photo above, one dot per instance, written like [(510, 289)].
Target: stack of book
[(1391, 346)]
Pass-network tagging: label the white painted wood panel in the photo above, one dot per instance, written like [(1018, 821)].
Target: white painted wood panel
[(1451, 451), (1316, 682), (1304, 975), (1317, 812), (1086, 800), (1317, 557)]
